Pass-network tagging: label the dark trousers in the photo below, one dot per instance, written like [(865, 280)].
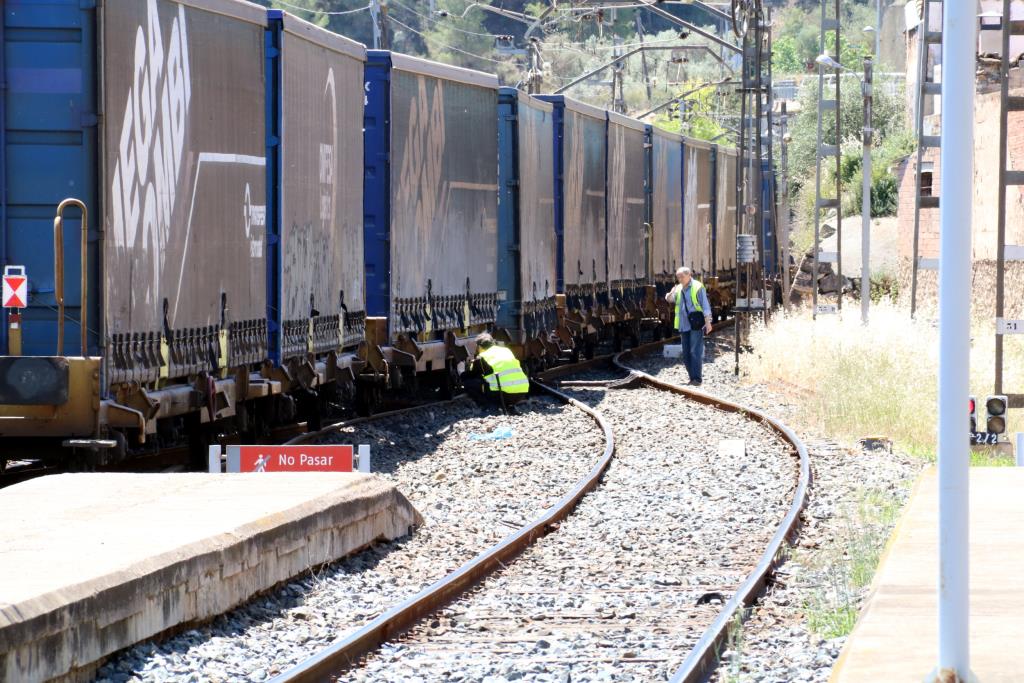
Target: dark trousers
[(693, 353), (477, 389)]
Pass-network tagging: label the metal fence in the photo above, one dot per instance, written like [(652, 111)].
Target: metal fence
[(893, 84)]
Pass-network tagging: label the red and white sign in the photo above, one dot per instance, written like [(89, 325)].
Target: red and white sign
[(15, 293), (333, 458)]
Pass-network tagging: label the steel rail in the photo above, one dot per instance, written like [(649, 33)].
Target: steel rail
[(597, 361), (340, 656), (305, 437), (703, 658)]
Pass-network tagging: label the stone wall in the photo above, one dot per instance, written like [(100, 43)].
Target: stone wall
[(983, 289)]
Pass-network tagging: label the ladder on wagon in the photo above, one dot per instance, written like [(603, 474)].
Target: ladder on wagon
[(924, 189), (1008, 177)]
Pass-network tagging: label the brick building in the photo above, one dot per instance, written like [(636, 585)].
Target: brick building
[(986, 148)]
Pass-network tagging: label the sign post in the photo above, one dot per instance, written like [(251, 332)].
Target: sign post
[(15, 297), (283, 458)]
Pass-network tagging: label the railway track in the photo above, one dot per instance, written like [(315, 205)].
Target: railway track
[(471, 491), (174, 458), (651, 594)]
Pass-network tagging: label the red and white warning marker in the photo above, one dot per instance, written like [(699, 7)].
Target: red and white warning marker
[(15, 293), (320, 458)]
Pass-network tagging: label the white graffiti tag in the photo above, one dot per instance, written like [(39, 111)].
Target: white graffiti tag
[(255, 218), (328, 161), (152, 139)]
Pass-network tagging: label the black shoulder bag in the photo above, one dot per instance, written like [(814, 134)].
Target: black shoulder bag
[(696, 318)]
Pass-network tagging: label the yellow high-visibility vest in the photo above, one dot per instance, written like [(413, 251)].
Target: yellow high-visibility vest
[(507, 375), (695, 286)]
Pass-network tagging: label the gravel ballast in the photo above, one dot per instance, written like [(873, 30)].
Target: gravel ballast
[(471, 493), (628, 583), (777, 644)]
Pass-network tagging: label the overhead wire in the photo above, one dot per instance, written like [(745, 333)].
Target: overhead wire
[(627, 46), (332, 13), (437, 42), (443, 23)]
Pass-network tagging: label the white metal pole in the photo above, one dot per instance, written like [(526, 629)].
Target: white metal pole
[(865, 205), (956, 189), (1019, 451)]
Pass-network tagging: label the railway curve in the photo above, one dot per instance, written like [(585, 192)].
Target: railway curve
[(701, 658)]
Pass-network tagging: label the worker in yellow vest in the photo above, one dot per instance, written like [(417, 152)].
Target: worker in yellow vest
[(495, 378), (692, 319)]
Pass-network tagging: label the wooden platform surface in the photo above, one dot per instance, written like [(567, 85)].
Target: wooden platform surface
[(896, 638)]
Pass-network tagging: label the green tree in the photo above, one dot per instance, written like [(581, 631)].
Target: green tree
[(786, 59), (891, 142)]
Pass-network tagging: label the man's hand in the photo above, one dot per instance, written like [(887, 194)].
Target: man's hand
[(707, 325)]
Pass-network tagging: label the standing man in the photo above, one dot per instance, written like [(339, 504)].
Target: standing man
[(693, 320)]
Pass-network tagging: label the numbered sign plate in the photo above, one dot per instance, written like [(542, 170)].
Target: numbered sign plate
[(826, 309), (1004, 326), (984, 438)]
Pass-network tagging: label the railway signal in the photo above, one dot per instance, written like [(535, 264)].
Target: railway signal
[(995, 408), (973, 409)]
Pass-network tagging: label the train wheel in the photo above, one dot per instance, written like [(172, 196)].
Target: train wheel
[(574, 355), (368, 398), (309, 408), (83, 460), (200, 438), (447, 381)]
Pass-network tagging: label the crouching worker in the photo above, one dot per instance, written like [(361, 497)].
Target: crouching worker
[(495, 379)]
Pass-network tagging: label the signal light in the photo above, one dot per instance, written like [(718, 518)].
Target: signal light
[(973, 410), (996, 406)]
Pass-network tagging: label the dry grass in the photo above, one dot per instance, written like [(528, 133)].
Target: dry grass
[(846, 568), (880, 380)]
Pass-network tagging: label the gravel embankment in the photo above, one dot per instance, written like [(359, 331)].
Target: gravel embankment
[(471, 494), (613, 594), (777, 643)]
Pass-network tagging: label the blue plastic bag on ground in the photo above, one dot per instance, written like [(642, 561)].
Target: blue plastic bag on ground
[(500, 432)]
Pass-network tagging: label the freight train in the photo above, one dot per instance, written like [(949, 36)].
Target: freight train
[(269, 217)]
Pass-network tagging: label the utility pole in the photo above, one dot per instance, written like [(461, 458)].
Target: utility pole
[(618, 73), (878, 31), (825, 152), (379, 15), (375, 19), (865, 206), (643, 56), (535, 79), (385, 40), (784, 227)]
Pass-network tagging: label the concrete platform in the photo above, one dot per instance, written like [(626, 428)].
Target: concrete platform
[(896, 638), (93, 563)]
